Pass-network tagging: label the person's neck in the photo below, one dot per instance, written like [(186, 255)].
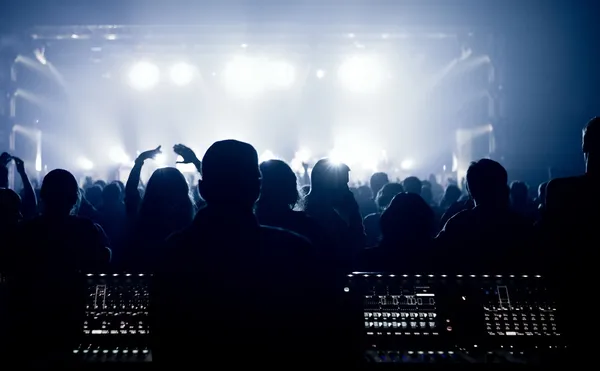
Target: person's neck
[(56, 213), (493, 204), (271, 207), (592, 165)]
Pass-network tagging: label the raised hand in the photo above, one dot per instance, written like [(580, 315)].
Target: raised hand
[(146, 155), (5, 159), (19, 164), (188, 156)]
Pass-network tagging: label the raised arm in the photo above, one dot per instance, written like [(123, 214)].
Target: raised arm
[(132, 195), (29, 202), (4, 160)]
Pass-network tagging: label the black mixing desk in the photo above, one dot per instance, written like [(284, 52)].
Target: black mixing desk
[(117, 319), (456, 318)]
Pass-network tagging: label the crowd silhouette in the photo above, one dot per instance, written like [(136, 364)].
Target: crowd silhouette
[(246, 236)]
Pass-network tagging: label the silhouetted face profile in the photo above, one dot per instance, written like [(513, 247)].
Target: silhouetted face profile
[(591, 138), (230, 175), (59, 192)]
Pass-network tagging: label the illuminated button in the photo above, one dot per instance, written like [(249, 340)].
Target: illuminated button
[(432, 324)]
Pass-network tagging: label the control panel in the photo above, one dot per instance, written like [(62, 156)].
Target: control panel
[(463, 318), (116, 325)]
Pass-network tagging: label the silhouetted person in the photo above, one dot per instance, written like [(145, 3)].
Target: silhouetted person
[(520, 202), (112, 215), (407, 227), (490, 236), (571, 206), (333, 205), (412, 184), (278, 197), (165, 209), (436, 189), (47, 260), (451, 195), (10, 215), (229, 283), (383, 199)]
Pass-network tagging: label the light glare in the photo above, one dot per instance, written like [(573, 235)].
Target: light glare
[(407, 164), (118, 155), (144, 75), (182, 74), (362, 74), (85, 164)]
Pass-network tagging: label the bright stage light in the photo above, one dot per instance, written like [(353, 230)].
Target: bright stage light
[(243, 75), (182, 74), (160, 159), (144, 75), (251, 76), (407, 164), (84, 163), (118, 155), (281, 74), (320, 74), (266, 156), (362, 74)]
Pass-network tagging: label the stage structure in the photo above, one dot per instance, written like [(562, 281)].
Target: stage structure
[(56, 70)]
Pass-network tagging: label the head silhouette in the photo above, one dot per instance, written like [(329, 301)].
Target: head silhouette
[(230, 175), (487, 183), (329, 179), (519, 192), (279, 184), (59, 192), (377, 181), (387, 194), (407, 218), (413, 185), (10, 206), (451, 195), (427, 194), (166, 206), (111, 194)]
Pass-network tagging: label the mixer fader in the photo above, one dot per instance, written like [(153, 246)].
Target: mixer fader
[(116, 325)]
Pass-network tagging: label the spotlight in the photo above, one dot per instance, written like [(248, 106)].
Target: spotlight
[(85, 164), (182, 74), (160, 159), (118, 155), (144, 75), (282, 74), (407, 164), (362, 74), (320, 74)]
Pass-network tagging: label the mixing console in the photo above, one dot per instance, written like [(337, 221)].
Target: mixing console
[(116, 325), (456, 318)]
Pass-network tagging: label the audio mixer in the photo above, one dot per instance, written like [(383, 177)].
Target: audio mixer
[(456, 318), (116, 325)]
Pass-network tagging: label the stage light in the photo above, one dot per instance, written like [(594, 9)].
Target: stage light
[(160, 159), (243, 76), (182, 74), (266, 156), (282, 74), (118, 155), (407, 164), (84, 163), (320, 74), (362, 74), (144, 75)]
